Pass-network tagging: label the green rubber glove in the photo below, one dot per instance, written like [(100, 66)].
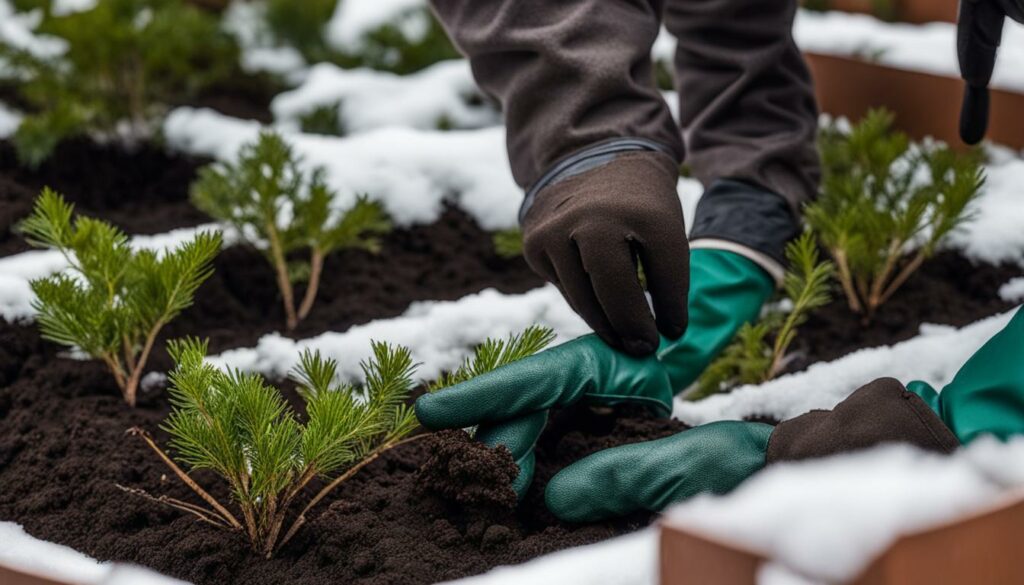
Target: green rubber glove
[(510, 405), (726, 291), (986, 397), (714, 458)]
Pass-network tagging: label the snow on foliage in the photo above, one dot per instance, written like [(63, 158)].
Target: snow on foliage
[(934, 356), (353, 19), (1013, 291), (827, 519), (443, 94), (9, 120)]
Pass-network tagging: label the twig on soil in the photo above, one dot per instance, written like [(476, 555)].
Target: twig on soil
[(221, 510)]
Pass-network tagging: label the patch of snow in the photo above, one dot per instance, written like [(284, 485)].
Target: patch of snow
[(260, 53), (626, 560), (370, 99), (17, 271), (9, 121), (440, 334), (353, 19), (66, 7), (829, 518), (934, 356), (994, 235), (411, 172), (25, 553), (1013, 291), (17, 31), (929, 48)]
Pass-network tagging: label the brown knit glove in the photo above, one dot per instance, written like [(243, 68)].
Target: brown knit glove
[(586, 232)]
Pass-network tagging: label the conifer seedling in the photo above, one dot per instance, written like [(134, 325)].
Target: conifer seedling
[(115, 300), (281, 209), (759, 351), (127, 62), (886, 205), (242, 429)]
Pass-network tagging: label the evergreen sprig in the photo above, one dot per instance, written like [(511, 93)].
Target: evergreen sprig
[(759, 351), (495, 353), (116, 300), (241, 428), (508, 243), (886, 205), (126, 63), (281, 209)]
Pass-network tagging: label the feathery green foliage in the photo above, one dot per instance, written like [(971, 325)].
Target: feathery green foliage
[(118, 299), (280, 209), (759, 351), (508, 243), (495, 353), (126, 62), (238, 426), (886, 205), (324, 119)]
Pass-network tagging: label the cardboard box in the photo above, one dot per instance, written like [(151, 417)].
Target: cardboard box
[(981, 549), (924, 104)]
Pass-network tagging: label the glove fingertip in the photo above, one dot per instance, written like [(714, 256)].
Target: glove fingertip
[(428, 412), (974, 115)]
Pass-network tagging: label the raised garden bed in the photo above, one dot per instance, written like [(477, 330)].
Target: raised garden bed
[(910, 11), (925, 104), (62, 444), (979, 547)]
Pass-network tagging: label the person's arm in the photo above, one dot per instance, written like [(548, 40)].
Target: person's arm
[(594, 147)]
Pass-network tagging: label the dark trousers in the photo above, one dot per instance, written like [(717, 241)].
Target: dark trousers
[(570, 74)]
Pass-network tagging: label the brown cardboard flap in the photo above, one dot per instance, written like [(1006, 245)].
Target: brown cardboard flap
[(924, 104)]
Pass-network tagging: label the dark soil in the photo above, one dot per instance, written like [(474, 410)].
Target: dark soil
[(947, 290), (144, 191), (63, 449)]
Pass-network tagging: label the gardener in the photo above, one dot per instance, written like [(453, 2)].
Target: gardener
[(592, 142)]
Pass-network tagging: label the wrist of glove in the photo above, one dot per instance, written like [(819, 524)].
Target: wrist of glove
[(586, 232)]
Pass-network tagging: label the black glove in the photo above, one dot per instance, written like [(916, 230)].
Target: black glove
[(979, 31), (585, 232)]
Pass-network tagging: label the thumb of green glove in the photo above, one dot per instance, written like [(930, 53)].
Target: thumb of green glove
[(986, 397)]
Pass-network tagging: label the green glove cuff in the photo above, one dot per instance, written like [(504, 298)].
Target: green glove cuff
[(987, 395), (649, 476), (726, 291)]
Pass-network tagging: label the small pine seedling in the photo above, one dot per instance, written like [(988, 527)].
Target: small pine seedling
[(280, 210), (126, 63), (118, 299), (886, 205), (495, 353), (759, 351), (241, 428)]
